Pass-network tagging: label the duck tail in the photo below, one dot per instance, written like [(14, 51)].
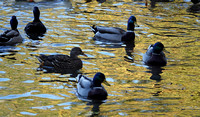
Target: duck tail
[(94, 29), (39, 59), (79, 76)]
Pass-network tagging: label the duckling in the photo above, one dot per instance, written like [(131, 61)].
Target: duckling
[(36, 28), (92, 88), (116, 34), (154, 55), (11, 37), (195, 8), (61, 61)]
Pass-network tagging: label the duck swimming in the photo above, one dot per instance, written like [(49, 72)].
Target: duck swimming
[(63, 61), (92, 88), (11, 37), (35, 28), (195, 8), (154, 55), (116, 34)]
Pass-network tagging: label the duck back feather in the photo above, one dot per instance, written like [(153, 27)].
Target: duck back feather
[(35, 28), (11, 37)]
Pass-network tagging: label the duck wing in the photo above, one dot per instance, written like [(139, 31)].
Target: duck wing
[(60, 61), (35, 29), (84, 85), (7, 35), (112, 30), (83, 81)]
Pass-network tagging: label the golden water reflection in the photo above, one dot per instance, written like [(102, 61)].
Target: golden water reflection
[(26, 91)]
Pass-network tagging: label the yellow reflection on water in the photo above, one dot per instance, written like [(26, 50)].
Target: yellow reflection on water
[(27, 91)]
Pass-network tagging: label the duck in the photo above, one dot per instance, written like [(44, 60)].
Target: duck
[(61, 61), (116, 34), (154, 55), (92, 89), (35, 28), (195, 8), (11, 37)]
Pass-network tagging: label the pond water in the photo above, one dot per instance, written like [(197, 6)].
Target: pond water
[(134, 89)]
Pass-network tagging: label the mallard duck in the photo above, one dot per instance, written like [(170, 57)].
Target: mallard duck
[(92, 88), (11, 37), (36, 28), (154, 55), (195, 8), (116, 34), (61, 61)]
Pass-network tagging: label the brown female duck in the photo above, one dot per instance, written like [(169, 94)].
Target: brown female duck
[(61, 61)]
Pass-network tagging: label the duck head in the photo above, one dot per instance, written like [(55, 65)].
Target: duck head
[(158, 47), (36, 13), (195, 1), (132, 23), (13, 23), (98, 79), (76, 51)]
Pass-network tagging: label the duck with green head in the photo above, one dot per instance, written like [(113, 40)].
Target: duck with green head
[(35, 28), (116, 34), (92, 88), (154, 55), (11, 37)]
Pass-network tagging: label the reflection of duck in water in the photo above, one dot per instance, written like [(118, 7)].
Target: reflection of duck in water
[(153, 2), (35, 28), (195, 8), (95, 108), (154, 55), (11, 37), (115, 34), (155, 71), (60, 61), (91, 88)]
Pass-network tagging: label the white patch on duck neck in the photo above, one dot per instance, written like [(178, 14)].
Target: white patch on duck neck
[(129, 31)]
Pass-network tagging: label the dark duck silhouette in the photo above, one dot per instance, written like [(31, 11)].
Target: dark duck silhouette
[(61, 61), (195, 8), (91, 88), (116, 34), (36, 28), (11, 37), (154, 55)]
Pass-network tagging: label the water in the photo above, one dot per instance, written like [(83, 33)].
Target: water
[(136, 89)]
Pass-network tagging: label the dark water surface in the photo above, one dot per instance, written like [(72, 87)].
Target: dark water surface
[(136, 89)]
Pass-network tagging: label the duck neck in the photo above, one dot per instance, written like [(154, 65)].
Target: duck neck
[(73, 55), (130, 31), (96, 84), (131, 26), (36, 19), (36, 14)]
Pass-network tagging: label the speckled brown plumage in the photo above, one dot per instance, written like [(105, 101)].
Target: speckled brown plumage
[(63, 61)]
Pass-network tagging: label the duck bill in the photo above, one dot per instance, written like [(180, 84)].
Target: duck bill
[(136, 25), (106, 83), (166, 50), (84, 55)]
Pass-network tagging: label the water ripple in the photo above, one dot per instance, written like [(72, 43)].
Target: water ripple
[(28, 94)]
